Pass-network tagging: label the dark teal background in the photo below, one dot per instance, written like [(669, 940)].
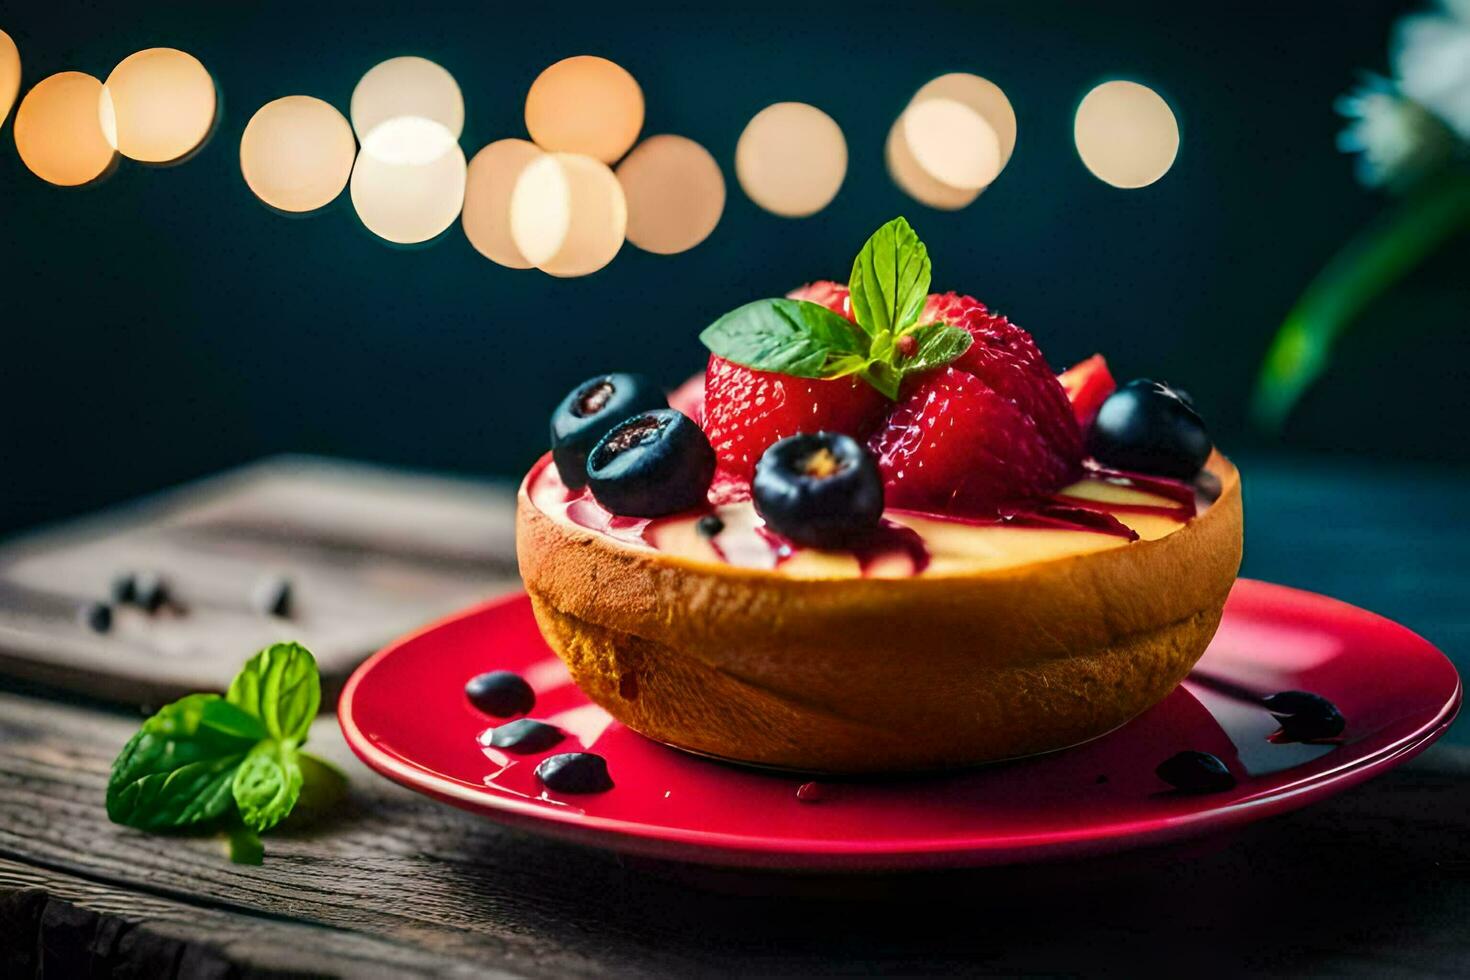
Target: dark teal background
[(163, 324)]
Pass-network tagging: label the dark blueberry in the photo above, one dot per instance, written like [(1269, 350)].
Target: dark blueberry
[(124, 588), (501, 693), (272, 596), (151, 592), (1196, 772), (652, 464), (1147, 427), (820, 489), (574, 772), (587, 413), (1305, 717), (811, 793), (525, 735), (97, 616), (709, 525)]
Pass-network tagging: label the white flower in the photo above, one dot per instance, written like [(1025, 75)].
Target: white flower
[(1431, 57), (1397, 140)]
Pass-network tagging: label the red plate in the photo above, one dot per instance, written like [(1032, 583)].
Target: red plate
[(404, 712)]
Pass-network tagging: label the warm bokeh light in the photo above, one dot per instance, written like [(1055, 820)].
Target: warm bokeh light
[(1126, 134), (675, 194), (408, 197), (585, 105), (568, 215), (984, 97), (157, 105), (58, 133), (492, 179), (791, 159), (296, 153), (407, 86), (9, 75), (952, 143), (915, 182)]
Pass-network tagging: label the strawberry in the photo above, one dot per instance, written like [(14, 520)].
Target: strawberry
[(832, 295), (1088, 384), (689, 398), (956, 444), (745, 411)]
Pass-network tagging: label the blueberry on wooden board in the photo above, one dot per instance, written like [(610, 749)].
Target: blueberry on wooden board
[(1196, 772), (97, 616), (501, 693), (574, 772), (1304, 716), (525, 735)]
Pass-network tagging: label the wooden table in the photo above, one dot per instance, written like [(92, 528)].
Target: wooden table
[(1375, 881)]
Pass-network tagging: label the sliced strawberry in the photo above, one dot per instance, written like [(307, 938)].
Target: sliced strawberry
[(745, 411), (1088, 384), (957, 444)]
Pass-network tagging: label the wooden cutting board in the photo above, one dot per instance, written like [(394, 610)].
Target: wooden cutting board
[(369, 553)]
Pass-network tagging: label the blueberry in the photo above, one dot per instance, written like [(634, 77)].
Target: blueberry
[(151, 592), (97, 616), (501, 693), (124, 588), (574, 772), (272, 597), (1305, 717), (709, 526), (652, 464), (1148, 427), (1196, 772), (587, 413), (525, 735), (820, 489)]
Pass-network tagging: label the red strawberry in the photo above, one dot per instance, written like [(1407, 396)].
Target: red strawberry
[(689, 398), (832, 295), (1088, 384), (956, 444), (745, 411)]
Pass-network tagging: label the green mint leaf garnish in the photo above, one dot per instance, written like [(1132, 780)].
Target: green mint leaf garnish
[(267, 784), (890, 279), (786, 336), (281, 687), (939, 343), (179, 768), (234, 759)]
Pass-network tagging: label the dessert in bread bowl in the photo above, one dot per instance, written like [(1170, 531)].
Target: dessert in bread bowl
[(889, 538)]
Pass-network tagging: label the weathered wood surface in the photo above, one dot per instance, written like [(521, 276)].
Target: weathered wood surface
[(370, 554), (1376, 881)]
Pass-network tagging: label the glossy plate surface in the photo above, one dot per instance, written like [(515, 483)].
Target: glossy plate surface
[(404, 712)]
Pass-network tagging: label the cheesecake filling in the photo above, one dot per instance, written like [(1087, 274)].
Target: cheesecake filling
[(1106, 509)]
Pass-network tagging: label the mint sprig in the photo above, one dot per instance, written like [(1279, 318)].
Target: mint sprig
[(888, 285), (233, 760)]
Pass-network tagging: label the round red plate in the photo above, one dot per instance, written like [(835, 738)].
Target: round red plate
[(404, 712)]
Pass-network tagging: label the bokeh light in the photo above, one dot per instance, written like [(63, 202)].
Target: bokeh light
[(58, 132), (952, 143), (491, 181), (1126, 134), (984, 97), (407, 86), (409, 180), (9, 75), (157, 105), (791, 159), (568, 215), (913, 179), (585, 105), (296, 153), (675, 194)]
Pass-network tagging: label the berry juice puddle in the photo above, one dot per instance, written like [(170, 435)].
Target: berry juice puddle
[(1106, 509)]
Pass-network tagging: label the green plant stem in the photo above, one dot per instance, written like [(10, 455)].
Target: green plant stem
[(1367, 266)]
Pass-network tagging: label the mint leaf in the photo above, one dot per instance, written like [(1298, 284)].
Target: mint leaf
[(883, 376), (786, 336), (939, 343), (267, 784), (890, 279), (178, 769), (245, 846), (281, 687)]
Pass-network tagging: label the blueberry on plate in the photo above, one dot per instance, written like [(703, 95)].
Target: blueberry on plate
[(652, 464), (1149, 427), (820, 489), (501, 693), (574, 772), (587, 413), (525, 735), (1196, 772), (1304, 716)]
